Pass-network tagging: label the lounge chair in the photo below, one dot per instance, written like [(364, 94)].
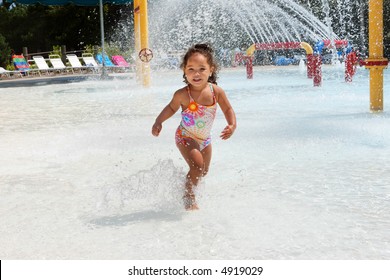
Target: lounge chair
[(120, 61), (90, 62), (4, 73), (9, 74), (75, 62), (58, 65), (107, 60), (40, 62), (22, 65)]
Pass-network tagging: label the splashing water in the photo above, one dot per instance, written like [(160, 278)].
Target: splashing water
[(160, 187), (329, 24), (176, 24)]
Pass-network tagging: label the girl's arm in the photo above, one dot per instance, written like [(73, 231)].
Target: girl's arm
[(230, 116), (166, 113)]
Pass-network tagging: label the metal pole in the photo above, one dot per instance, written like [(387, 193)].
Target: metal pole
[(376, 62), (25, 53), (137, 40), (144, 30), (63, 53), (104, 74)]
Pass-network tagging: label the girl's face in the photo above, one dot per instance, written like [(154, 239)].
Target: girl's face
[(198, 70)]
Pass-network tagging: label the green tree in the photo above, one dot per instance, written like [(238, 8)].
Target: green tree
[(40, 27), (5, 52)]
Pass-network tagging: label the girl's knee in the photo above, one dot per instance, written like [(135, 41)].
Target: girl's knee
[(196, 159), (197, 167)]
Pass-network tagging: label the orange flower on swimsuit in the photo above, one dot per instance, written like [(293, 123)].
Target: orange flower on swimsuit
[(196, 109)]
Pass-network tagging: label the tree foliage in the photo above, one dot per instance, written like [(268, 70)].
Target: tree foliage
[(5, 50), (41, 27)]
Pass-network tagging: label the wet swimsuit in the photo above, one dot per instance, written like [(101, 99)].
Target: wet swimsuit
[(196, 123)]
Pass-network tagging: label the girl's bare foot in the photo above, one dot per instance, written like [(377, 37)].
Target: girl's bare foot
[(189, 202)]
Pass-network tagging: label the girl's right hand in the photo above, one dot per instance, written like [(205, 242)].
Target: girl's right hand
[(156, 129), (227, 132)]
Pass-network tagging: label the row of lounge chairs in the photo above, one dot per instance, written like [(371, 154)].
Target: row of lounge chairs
[(87, 63)]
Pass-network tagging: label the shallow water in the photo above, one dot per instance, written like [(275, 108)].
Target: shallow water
[(306, 175)]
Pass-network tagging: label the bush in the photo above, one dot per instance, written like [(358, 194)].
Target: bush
[(5, 52), (56, 50)]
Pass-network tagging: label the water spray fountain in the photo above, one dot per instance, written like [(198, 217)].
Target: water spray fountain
[(177, 24), (231, 23)]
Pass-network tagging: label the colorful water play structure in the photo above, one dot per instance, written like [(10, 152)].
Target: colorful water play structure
[(270, 46), (376, 63), (313, 57)]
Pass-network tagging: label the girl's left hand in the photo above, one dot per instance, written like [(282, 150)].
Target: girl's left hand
[(227, 132)]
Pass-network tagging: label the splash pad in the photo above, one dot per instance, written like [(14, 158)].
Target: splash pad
[(304, 177)]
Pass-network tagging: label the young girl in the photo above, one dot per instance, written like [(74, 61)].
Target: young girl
[(198, 102)]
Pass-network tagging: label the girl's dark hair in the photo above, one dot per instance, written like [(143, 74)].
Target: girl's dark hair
[(206, 50)]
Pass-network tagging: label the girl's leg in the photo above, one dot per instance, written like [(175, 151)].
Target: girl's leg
[(195, 161), (206, 152)]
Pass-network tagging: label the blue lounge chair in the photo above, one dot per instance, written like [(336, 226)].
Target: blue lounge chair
[(107, 60)]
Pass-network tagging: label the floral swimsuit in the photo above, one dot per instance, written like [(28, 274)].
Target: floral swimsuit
[(196, 123)]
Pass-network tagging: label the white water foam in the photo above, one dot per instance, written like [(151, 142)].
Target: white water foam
[(159, 188)]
